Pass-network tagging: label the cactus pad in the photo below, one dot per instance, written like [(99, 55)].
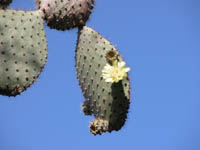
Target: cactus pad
[(23, 50), (108, 102), (65, 14)]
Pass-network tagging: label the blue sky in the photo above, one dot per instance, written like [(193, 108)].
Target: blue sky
[(160, 41)]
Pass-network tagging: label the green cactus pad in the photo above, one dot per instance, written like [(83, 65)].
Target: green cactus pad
[(23, 50), (65, 14), (108, 102), (4, 3)]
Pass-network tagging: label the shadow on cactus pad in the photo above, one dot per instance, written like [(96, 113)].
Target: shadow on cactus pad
[(5, 3)]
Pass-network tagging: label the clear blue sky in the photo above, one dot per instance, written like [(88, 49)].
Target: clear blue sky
[(160, 41)]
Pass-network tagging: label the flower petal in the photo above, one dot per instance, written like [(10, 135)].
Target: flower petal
[(127, 69), (109, 80), (108, 66), (121, 64), (115, 73)]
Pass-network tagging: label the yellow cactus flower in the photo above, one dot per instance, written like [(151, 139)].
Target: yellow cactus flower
[(115, 72)]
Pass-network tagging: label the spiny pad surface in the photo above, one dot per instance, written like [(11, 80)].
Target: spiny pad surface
[(65, 14), (108, 102), (23, 50)]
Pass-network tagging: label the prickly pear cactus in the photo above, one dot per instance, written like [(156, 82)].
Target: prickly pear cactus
[(4, 3), (23, 50), (107, 98), (65, 14)]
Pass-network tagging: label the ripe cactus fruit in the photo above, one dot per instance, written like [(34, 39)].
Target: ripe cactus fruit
[(107, 101), (4, 3), (65, 14), (23, 50)]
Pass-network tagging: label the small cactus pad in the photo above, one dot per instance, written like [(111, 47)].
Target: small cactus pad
[(4, 3), (108, 102), (98, 126), (65, 14), (23, 50)]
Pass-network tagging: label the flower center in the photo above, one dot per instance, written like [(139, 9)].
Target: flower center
[(115, 71)]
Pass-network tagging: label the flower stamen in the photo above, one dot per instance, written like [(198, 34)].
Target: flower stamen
[(115, 72)]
